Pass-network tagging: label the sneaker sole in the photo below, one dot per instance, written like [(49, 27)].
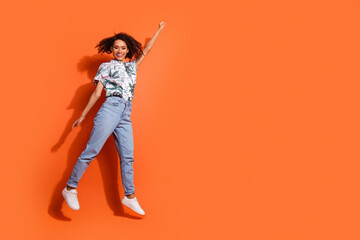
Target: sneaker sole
[(133, 209)]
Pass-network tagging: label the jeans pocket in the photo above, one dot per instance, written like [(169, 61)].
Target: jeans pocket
[(113, 103)]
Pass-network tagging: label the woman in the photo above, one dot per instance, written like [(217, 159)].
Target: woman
[(118, 79)]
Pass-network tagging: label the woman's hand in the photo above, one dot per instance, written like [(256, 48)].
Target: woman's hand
[(161, 25), (78, 121)]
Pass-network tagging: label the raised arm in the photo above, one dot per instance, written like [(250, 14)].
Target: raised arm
[(149, 44)]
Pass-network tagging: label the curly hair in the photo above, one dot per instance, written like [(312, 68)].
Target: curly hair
[(135, 47)]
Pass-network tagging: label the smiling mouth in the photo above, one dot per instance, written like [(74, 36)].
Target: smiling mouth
[(119, 55)]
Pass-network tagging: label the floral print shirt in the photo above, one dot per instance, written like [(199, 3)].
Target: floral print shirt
[(118, 78)]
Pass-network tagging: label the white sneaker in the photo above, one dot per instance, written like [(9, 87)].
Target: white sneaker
[(71, 198), (133, 204)]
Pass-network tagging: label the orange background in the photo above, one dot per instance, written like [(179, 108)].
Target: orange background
[(245, 117)]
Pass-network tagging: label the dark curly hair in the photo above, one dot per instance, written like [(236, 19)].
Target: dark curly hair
[(135, 47)]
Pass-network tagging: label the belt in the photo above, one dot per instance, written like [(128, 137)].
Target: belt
[(119, 97)]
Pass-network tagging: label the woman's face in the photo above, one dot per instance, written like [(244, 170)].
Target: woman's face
[(119, 50)]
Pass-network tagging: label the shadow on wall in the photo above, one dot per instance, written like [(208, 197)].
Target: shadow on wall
[(107, 158)]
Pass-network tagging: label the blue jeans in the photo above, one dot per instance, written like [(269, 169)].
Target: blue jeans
[(113, 117)]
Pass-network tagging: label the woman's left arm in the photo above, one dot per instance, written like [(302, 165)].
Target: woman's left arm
[(149, 44)]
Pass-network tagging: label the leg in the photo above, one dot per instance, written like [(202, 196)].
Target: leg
[(105, 122), (123, 136)]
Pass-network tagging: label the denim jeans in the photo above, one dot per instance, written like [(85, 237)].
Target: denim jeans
[(113, 117)]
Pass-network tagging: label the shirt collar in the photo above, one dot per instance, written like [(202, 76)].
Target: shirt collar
[(116, 61)]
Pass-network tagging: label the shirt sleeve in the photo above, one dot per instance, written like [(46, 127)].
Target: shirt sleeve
[(102, 74), (133, 65)]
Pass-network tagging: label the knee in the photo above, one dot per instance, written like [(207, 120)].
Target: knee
[(88, 155), (128, 158)]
